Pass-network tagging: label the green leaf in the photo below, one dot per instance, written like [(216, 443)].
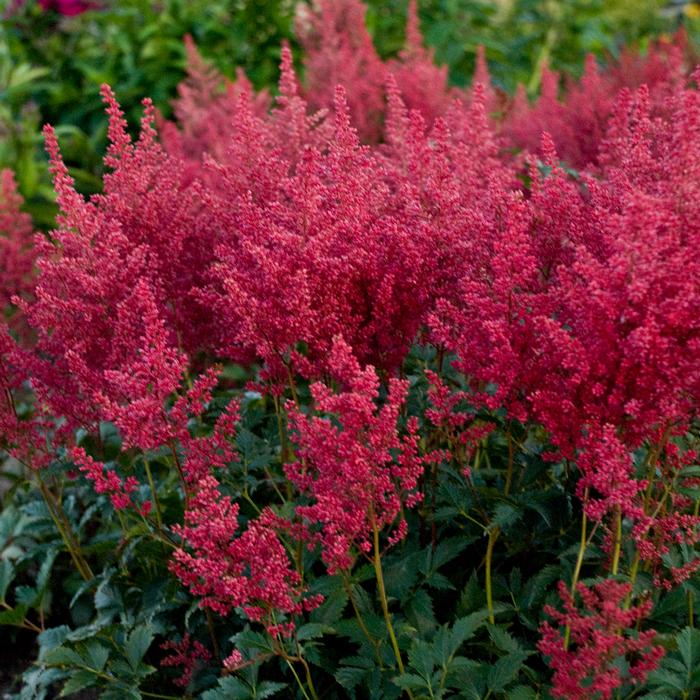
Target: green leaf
[(42, 578), (465, 627), (15, 616), (7, 573), (689, 648), (420, 611), (505, 670), (422, 658), (331, 610), (121, 691), (410, 681), (51, 638), (667, 679), (97, 654), (268, 688), (313, 630), (80, 680), (137, 644), (230, 688), (351, 676), (521, 692), (505, 515), (63, 656), (26, 595), (503, 640)]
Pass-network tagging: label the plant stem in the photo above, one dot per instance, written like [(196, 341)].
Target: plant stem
[(299, 683), (618, 542), (309, 680), (382, 597), (154, 494), (63, 526), (361, 622), (493, 536), (579, 562)]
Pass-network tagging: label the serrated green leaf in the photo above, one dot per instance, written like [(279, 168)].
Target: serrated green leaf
[(121, 692), (42, 578), (137, 644), (689, 647), (664, 678), (420, 611), (465, 627), (51, 638), (268, 688), (351, 676), (312, 630), (229, 688), (421, 658), (26, 595), (97, 654), (15, 616), (502, 639), (63, 656), (7, 573), (410, 681), (505, 515), (504, 671), (331, 610), (79, 680)]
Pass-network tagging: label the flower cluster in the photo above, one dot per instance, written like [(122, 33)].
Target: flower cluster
[(187, 654), (378, 469), (578, 120), (601, 632), (314, 238), (69, 8), (16, 245)]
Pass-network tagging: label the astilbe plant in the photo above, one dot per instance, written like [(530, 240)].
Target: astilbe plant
[(16, 245), (379, 470), (314, 249), (601, 633), (577, 120), (423, 85), (105, 341), (206, 111), (339, 51), (438, 350), (69, 8)]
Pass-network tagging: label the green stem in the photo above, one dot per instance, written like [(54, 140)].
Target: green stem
[(299, 683), (617, 547), (383, 599), (63, 526), (579, 562), (361, 622), (154, 494), (493, 536), (309, 680)]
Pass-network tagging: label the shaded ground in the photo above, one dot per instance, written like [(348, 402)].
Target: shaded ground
[(16, 654)]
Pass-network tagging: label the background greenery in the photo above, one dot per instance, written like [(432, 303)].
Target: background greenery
[(51, 66)]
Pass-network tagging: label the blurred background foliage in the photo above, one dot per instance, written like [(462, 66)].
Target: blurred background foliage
[(51, 66)]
